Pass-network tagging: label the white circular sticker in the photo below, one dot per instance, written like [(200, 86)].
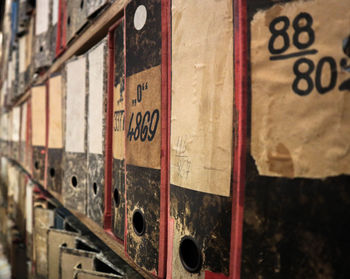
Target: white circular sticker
[(140, 17)]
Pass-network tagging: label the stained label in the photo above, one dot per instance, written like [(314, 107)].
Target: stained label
[(75, 105), (96, 94), (300, 89), (202, 96), (143, 125), (38, 115), (55, 109)]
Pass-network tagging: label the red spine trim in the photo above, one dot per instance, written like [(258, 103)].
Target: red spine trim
[(165, 135), (126, 185), (241, 82)]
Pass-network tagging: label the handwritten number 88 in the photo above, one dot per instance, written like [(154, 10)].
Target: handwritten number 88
[(282, 32)]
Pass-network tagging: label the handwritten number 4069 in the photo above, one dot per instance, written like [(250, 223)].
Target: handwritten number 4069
[(302, 24)]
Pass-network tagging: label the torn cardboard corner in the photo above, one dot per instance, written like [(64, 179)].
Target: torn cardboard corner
[(301, 135)]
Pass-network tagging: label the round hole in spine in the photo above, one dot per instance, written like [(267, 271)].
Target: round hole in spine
[(52, 172), (36, 165), (68, 20), (74, 181), (82, 4), (94, 188), (138, 222), (190, 254), (116, 197)]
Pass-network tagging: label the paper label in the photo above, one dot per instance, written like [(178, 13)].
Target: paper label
[(75, 105), (54, 12), (16, 118), (24, 123), (202, 95), (55, 110), (96, 94), (118, 123), (300, 89), (22, 54), (143, 118), (38, 115), (42, 16)]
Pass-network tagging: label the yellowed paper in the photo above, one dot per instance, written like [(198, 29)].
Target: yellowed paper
[(143, 118), (38, 115), (55, 109), (202, 95), (305, 131), (118, 123), (24, 123)]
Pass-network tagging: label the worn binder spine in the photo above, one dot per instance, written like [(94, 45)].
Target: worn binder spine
[(115, 147), (96, 126), (75, 156), (55, 134)]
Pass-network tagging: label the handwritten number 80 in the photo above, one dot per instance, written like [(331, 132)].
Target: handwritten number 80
[(305, 75), (282, 32)]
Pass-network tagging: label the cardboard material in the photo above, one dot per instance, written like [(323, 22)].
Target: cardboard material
[(43, 220), (143, 118), (56, 240), (202, 95), (301, 131), (71, 258)]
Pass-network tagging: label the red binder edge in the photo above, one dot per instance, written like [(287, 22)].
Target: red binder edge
[(239, 164), (109, 134)]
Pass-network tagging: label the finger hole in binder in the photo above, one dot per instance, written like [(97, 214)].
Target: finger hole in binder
[(138, 222), (74, 181), (190, 254), (36, 165), (52, 172), (94, 188)]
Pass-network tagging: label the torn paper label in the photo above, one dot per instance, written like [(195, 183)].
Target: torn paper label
[(300, 89)]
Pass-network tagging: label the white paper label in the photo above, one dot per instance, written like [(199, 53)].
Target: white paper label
[(75, 105), (96, 80), (24, 123), (42, 16), (54, 12), (22, 54), (16, 123)]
